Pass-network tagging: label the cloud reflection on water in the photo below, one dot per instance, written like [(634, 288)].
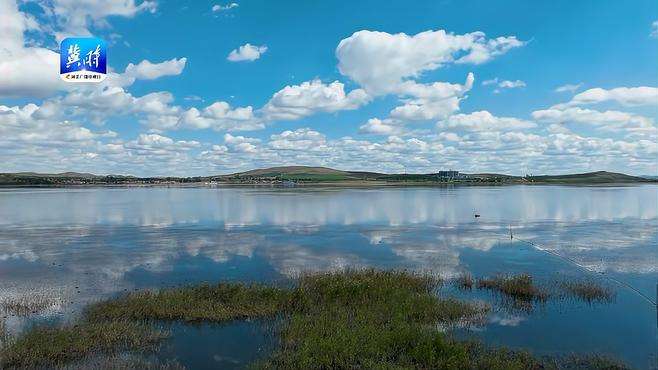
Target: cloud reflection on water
[(96, 238), (161, 207)]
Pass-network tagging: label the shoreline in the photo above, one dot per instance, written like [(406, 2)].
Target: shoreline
[(328, 184)]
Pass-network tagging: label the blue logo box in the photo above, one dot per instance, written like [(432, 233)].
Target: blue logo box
[(83, 59)]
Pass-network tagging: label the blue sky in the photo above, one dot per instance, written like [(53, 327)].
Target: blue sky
[(210, 87)]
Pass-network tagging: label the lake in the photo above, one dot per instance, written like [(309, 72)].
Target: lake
[(74, 246)]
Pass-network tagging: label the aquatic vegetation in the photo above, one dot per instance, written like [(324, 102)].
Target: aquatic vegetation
[(465, 281), (523, 292), (26, 305), (584, 362), (345, 319), (380, 305), (370, 319), (47, 346), (4, 336), (517, 292), (515, 286), (219, 302), (589, 291), (123, 361)]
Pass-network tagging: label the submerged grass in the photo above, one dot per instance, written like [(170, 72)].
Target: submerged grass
[(4, 337), (26, 305), (371, 319), (589, 291), (56, 345), (347, 319), (517, 292), (515, 286), (586, 362), (465, 281), (214, 303), (124, 361), (523, 292)]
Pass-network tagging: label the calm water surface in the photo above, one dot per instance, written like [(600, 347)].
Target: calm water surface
[(73, 246)]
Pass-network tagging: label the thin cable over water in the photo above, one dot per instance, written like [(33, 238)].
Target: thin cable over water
[(584, 268)]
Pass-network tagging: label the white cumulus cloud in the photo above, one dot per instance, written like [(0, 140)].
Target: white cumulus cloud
[(626, 96), (220, 116), (568, 88), (381, 61), (484, 121), (219, 8), (145, 70), (297, 101), (376, 126), (74, 17), (435, 100), (504, 84), (240, 144), (246, 53), (607, 120), (303, 139)]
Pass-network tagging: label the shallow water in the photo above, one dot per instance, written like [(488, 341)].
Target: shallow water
[(73, 246)]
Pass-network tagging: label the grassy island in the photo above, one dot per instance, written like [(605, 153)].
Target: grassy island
[(350, 319)]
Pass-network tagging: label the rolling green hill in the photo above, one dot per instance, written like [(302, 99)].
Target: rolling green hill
[(599, 177), (54, 175), (297, 173), (304, 174), (321, 174)]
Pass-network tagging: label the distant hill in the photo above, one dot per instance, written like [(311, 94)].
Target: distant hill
[(599, 177), (298, 173), (311, 175), (330, 174), (291, 170), (63, 174), (64, 178)]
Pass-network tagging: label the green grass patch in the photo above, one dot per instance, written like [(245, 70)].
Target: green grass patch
[(49, 346), (588, 291), (515, 286), (310, 177), (347, 319), (518, 292), (385, 320), (212, 303)]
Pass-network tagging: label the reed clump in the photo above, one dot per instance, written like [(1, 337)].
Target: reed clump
[(465, 281), (515, 286), (53, 346), (588, 291), (27, 305)]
